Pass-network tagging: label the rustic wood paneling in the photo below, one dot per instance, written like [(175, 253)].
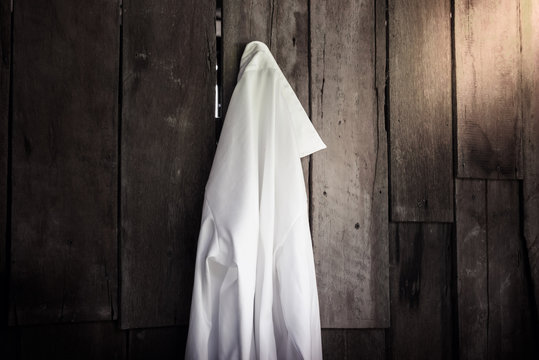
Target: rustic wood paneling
[(420, 282), (340, 344), (83, 341), (168, 142), (65, 100), (472, 268), (157, 343), (530, 112), (489, 124), (349, 178), (509, 324), (284, 27), (421, 159)]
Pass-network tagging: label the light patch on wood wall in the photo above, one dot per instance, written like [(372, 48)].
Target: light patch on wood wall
[(488, 75), (421, 153), (530, 112)]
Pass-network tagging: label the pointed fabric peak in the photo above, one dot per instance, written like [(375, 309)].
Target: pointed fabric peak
[(257, 55)]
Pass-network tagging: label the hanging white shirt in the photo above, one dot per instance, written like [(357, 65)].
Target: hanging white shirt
[(254, 293)]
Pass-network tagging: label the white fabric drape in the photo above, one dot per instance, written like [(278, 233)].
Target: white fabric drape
[(254, 293)]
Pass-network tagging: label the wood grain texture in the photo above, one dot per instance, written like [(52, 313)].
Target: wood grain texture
[(420, 281), (472, 268), (340, 344), (63, 249), (349, 178), (157, 343), (421, 159), (509, 325), (168, 143), (489, 120), (530, 112), (84, 341), (283, 27)]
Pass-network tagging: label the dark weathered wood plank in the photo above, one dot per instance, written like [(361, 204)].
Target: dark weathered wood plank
[(420, 280), (283, 26), (365, 344), (83, 341), (509, 324), (349, 178), (421, 158), (157, 343), (353, 344), (168, 142), (489, 122), (529, 13), (472, 268), (65, 108), (333, 344), (9, 343), (5, 77), (493, 300)]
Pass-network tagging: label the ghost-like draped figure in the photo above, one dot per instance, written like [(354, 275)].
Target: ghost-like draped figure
[(254, 292)]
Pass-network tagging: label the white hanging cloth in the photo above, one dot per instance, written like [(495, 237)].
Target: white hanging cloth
[(254, 293)]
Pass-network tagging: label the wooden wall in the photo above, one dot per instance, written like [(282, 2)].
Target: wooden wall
[(424, 207), (108, 135)]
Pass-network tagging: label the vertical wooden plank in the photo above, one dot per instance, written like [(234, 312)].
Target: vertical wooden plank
[(349, 178), (420, 280), (489, 120), (289, 41), (5, 78), (65, 104), (509, 324), (494, 308), (421, 159), (284, 27), (157, 343), (168, 142), (472, 268), (530, 111), (84, 341)]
